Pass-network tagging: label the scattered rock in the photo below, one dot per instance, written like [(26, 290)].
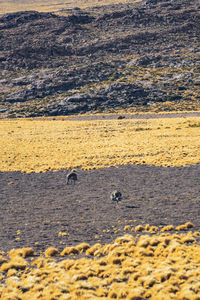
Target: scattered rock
[(93, 60)]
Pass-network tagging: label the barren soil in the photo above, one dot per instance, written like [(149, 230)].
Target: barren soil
[(42, 205)]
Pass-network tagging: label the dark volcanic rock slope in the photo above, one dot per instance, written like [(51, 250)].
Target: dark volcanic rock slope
[(120, 55)]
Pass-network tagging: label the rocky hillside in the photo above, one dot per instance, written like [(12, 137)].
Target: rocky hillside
[(134, 55)]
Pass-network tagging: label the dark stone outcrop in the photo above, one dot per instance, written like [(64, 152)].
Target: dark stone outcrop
[(84, 61)]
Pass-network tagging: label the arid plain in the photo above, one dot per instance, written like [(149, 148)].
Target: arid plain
[(71, 241), (60, 241)]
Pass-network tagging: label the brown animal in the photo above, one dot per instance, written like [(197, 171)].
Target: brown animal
[(116, 196), (71, 177)]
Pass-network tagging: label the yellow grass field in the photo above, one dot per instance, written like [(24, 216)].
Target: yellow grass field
[(29, 145), (9, 6), (158, 267)]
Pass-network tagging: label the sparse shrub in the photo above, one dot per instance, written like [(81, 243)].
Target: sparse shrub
[(142, 129), (153, 229), (15, 252), (167, 228), (82, 247), (127, 238), (2, 259), (69, 251), (139, 228), (127, 227), (193, 125), (93, 249), (156, 267), (184, 226), (121, 117), (188, 239), (17, 263), (51, 251), (27, 252)]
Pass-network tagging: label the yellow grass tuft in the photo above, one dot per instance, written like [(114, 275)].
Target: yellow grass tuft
[(136, 293), (167, 228), (51, 251), (93, 249), (62, 233), (127, 238), (184, 226), (17, 263), (24, 252), (196, 233), (154, 266), (139, 228), (15, 252), (11, 272), (27, 252), (69, 251), (144, 241), (127, 227), (2, 259), (82, 247), (188, 239), (153, 229)]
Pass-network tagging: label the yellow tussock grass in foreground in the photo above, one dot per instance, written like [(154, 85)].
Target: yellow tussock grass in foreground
[(160, 266), (40, 145)]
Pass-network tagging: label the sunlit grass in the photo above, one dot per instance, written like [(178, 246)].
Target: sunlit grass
[(51, 5), (149, 266), (41, 145)]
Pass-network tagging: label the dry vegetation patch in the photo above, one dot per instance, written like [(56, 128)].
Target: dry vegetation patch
[(34, 146), (161, 266), (51, 5)]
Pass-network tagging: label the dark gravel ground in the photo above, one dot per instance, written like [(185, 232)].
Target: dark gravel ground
[(135, 116), (42, 205)]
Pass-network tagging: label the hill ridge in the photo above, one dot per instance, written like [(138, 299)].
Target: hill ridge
[(133, 55)]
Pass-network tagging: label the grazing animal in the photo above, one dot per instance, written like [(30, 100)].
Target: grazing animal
[(116, 196), (72, 176)]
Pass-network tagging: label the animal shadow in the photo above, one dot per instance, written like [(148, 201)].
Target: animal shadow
[(132, 206)]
